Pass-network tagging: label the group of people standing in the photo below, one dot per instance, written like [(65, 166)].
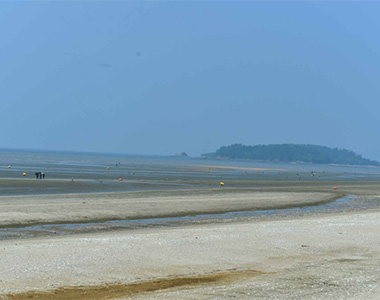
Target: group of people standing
[(39, 175)]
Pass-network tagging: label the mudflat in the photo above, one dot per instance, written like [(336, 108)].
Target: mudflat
[(331, 256)]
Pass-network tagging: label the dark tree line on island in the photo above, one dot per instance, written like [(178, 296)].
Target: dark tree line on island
[(292, 153)]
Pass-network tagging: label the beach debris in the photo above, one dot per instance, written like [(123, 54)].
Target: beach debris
[(221, 183), (23, 174)]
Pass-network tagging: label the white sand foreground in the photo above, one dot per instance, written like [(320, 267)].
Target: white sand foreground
[(314, 257)]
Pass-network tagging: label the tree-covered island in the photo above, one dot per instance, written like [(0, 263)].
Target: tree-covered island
[(291, 153)]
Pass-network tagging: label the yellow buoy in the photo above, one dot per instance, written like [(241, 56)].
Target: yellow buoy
[(221, 183), (108, 168), (9, 166), (23, 174)]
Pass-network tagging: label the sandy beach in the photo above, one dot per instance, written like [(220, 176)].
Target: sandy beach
[(332, 256)]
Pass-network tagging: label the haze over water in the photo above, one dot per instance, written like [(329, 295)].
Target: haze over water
[(90, 165)]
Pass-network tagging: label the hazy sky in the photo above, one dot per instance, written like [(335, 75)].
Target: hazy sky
[(165, 77)]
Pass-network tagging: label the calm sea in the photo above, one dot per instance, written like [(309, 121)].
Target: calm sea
[(63, 163)]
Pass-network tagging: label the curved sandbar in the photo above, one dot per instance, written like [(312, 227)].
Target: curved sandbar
[(18, 211)]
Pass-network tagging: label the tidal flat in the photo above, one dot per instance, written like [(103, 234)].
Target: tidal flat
[(325, 254)]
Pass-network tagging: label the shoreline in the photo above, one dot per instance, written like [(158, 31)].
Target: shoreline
[(221, 158)]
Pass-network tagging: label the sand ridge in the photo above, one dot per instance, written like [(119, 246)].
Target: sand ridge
[(77, 208)]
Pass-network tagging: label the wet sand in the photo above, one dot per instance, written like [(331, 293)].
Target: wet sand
[(218, 168), (334, 256)]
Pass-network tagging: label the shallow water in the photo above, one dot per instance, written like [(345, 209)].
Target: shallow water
[(61, 162)]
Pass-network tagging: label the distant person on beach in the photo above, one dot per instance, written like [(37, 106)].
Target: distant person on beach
[(37, 175), (43, 175)]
